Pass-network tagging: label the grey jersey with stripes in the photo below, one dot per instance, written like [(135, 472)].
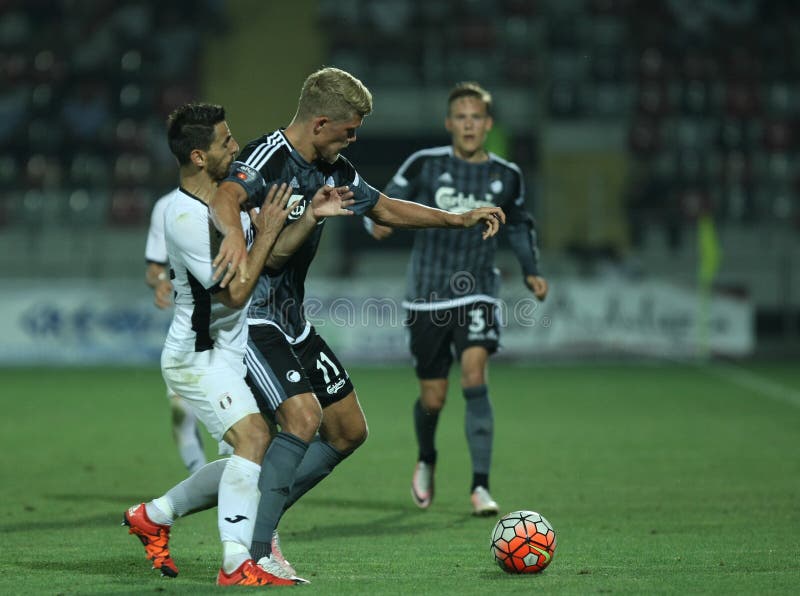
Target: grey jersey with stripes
[(452, 267), (278, 297)]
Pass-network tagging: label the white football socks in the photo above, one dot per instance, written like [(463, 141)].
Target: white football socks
[(236, 514)]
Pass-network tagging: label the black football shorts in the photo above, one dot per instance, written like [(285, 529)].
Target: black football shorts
[(278, 370), (437, 337)]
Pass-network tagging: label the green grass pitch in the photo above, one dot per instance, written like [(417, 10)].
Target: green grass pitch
[(659, 479)]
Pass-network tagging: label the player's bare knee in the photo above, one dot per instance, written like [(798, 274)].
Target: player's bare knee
[(472, 379), (249, 437), (300, 415), (303, 424), (358, 434), (433, 399), (351, 438)]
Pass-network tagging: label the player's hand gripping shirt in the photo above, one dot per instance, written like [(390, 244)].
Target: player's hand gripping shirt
[(200, 322), (452, 267), (278, 297)]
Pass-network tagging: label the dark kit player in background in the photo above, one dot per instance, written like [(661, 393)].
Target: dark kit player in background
[(452, 283)]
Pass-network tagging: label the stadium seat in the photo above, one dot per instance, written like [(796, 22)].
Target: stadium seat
[(130, 207), (779, 136), (644, 136)]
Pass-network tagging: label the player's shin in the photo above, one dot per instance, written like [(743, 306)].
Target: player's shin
[(279, 468), (238, 501)]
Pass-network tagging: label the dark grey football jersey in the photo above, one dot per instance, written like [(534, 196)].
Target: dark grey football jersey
[(278, 296), (452, 267)]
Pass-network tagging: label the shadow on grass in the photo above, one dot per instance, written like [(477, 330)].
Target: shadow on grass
[(127, 501), (400, 519), (69, 522), (124, 572)]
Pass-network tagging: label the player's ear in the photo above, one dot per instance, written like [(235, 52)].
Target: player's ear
[(319, 123), (198, 158), (489, 123), (448, 125)]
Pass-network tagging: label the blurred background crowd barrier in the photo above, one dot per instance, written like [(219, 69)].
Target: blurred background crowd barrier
[(659, 142)]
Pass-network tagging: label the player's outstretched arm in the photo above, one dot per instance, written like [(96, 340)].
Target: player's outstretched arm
[(224, 209), (327, 202), (268, 221), (397, 213)]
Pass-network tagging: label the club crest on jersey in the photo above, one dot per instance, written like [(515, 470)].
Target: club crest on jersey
[(457, 202), (294, 183), (445, 178), (299, 207)]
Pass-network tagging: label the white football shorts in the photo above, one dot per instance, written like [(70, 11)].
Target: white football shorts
[(212, 385)]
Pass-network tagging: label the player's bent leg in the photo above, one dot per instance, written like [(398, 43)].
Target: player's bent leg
[(343, 429), (344, 425), (151, 522)]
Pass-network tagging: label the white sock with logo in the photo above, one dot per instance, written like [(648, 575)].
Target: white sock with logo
[(236, 513)]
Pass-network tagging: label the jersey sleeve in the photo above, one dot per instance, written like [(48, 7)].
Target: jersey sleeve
[(251, 180), (155, 250), (193, 247), (520, 229), (364, 194)]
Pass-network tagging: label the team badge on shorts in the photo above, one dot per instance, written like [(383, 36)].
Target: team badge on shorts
[(293, 376)]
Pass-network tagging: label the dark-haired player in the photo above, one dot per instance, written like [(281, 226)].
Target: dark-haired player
[(203, 355)]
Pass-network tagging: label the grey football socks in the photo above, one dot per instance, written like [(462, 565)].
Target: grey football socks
[(479, 429), (278, 472), (319, 461)]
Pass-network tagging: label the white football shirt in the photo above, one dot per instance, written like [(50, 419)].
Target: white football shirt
[(155, 250), (200, 322)]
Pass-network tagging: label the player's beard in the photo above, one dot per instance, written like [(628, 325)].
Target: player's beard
[(218, 170)]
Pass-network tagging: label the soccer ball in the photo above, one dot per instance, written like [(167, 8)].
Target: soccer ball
[(523, 542)]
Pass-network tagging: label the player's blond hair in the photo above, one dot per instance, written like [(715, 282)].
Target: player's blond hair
[(333, 93), (470, 89)]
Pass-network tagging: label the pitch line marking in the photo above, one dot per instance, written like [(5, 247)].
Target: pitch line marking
[(741, 377)]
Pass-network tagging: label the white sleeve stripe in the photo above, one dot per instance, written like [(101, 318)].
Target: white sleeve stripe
[(262, 379), (505, 162), (257, 159), (263, 158), (432, 152)]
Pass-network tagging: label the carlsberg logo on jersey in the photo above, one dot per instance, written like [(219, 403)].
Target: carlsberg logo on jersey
[(457, 202)]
